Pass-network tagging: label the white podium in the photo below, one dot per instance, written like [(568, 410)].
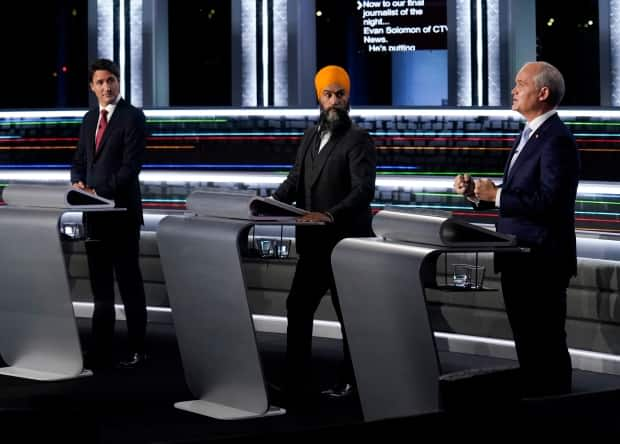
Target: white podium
[(381, 284), (38, 331), (201, 260)]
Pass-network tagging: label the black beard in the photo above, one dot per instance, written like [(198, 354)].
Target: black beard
[(341, 122)]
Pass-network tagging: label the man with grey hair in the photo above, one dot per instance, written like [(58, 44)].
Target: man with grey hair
[(536, 204)]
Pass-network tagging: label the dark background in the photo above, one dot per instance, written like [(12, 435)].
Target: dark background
[(572, 45), (199, 52), (40, 38)]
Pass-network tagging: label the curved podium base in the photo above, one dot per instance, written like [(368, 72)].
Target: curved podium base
[(38, 333), (38, 375), (388, 327), (220, 411), (202, 266)]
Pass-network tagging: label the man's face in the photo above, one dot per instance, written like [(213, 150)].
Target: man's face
[(333, 97), (106, 87), (527, 99)]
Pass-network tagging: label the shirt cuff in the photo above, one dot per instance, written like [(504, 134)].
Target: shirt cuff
[(497, 197)]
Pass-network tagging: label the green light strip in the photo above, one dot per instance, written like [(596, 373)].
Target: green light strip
[(594, 123), (597, 202)]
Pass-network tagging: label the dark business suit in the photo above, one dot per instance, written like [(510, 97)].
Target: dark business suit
[(339, 180), (113, 237), (537, 205)]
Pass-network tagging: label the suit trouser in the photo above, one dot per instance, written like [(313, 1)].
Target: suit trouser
[(313, 277), (535, 297), (116, 253)]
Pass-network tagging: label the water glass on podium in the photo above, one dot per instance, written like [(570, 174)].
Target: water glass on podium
[(468, 276)]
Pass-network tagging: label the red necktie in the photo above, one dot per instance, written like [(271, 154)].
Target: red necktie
[(103, 124)]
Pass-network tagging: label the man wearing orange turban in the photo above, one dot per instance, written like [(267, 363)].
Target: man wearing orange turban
[(329, 75), (333, 178)]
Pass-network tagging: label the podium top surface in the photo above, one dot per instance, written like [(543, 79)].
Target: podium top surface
[(53, 196), (241, 205), (437, 228)]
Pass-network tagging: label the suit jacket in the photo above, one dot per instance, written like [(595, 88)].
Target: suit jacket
[(538, 196), (113, 170), (339, 180)]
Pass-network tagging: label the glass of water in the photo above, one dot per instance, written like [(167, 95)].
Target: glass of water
[(468, 276), (283, 248), (266, 247)]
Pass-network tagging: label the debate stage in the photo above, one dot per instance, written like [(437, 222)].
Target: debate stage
[(136, 406)]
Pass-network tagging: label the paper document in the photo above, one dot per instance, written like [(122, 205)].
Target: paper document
[(53, 196), (262, 208)]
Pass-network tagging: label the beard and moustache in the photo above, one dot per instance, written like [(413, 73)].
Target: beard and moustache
[(335, 120)]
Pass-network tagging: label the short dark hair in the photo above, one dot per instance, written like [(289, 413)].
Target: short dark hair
[(103, 65)]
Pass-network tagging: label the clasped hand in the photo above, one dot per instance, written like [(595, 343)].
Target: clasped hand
[(81, 186), (478, 189), (314, 216)]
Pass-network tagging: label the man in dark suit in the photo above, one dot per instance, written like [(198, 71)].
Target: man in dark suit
[(107, 162), (536, 204), (334, 179)]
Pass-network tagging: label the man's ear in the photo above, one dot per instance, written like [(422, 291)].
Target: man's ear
[(543, 94)]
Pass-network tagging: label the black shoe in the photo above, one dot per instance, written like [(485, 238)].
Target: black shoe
[(301, 402), (98, 361), (339, 391), (135, 360)]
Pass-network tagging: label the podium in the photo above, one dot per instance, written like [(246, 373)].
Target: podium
[(381, 283), (38, 333), (201, 260)]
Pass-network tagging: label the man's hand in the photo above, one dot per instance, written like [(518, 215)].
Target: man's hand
[(80, 186), (314, 216), (463, 184), (485, 189)]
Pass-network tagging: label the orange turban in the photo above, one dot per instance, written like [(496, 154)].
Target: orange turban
[(331, 74)]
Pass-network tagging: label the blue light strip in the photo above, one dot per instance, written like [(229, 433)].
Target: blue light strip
[(396, 167), (40, 120), (597, 213), (215, 166), (440, 133)]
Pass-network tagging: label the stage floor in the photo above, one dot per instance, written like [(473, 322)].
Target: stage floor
[(136, 406)]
